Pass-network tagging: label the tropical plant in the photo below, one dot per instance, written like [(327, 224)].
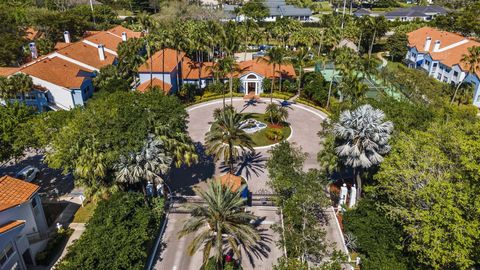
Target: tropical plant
[(363, 136), (225, 137), (472, 60), (300, 59), (275, 57), (276, 113), (148, 165), (17, 84), (220, 223)]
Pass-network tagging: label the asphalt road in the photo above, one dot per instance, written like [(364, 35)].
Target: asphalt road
[(174, 255)]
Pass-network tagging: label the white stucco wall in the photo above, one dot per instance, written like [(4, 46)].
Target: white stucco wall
[(61, 96)]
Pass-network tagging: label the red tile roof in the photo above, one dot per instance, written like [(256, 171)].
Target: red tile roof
[(11, 225), (87, 54), (14, 192), (169, 56), (7, 71), (264, 69), (155, 83), (449, 57), (112, 37), (191, 70), (58, 71), (232, 181)]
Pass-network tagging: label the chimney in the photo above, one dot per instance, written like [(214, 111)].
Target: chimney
[(436, 47), (124, 36), (66, 36), (101, 52), (33, 50), (428, 41)]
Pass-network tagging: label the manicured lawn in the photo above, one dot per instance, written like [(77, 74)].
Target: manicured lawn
[(83, 214), (260, 139)]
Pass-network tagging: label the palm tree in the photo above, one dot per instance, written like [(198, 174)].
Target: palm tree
[(144, 166), (229, 66), (225, 138), (300, 60), (221, 223), (274, 57), (180, 43), (276, 113), (16, 84), (363, 136), (472, 60)]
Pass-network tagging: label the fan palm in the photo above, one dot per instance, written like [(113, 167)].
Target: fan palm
[(363, 136), (225, 138), (274, 57), (144, 166), (276, 113), (221, 223)]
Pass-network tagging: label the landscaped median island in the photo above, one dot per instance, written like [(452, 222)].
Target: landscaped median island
[(271, 133)]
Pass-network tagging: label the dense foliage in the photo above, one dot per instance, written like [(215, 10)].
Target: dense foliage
[(13, 118), (117, 236), (302, 199)]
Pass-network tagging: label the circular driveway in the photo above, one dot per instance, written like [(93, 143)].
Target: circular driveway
[(304, 121)]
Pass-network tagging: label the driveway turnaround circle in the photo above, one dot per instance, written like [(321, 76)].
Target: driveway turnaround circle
[(305, 123)]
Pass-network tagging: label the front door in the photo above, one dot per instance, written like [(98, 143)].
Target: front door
[(252, 88)]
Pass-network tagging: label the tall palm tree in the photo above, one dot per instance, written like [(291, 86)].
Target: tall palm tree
[(145, 165), (472, 60), (300, 59), (274, 57), (229, 66), (225, 138), (180, 43), (221, 223), (363, 136)]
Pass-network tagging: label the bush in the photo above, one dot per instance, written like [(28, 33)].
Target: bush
[(54, 246), (377, 237), (117, 235), (274, 134), (226, 265)]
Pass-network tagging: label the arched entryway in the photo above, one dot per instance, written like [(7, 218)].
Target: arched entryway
[(252, 84)]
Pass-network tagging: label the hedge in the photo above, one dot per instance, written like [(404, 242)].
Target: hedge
[(117, 236)]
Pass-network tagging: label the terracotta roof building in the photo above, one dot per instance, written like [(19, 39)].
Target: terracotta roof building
[(440, 54), (14, 192), (156, 83), (22, 223)]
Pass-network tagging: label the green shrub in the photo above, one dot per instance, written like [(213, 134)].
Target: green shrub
[(274, 134), (378, 238), (117, 235)]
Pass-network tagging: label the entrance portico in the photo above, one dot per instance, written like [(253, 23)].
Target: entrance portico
[(251, 83)]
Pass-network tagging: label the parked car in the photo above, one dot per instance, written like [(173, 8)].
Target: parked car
[(28, 173)]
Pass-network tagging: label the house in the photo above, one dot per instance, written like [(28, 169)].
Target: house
[(168, 70), (362, 12), (424, 13), (63, 78), (253, 72), (439, 53), (277, 9), (23, 225)]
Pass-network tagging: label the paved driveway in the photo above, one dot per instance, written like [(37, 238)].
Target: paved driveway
[(305, 123), (53, 183)]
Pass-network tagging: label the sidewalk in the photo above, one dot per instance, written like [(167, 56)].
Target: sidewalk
[(79, 228)]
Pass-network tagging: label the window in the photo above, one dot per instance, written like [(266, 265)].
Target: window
[(445, 79), (455, 74), (6, 253), (439, 76), (251, 76), (427, 63)]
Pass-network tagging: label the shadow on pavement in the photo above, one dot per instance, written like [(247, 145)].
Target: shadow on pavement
[(183, 179), (261, 250), (52, 182), (248, 162)]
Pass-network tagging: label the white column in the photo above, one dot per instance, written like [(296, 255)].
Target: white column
[(353, 197), (343, 195)]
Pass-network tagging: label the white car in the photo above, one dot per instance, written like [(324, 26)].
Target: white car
[(28, 173)]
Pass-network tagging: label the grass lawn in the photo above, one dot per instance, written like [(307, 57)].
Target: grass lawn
[(83, 214), (260, 139)]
